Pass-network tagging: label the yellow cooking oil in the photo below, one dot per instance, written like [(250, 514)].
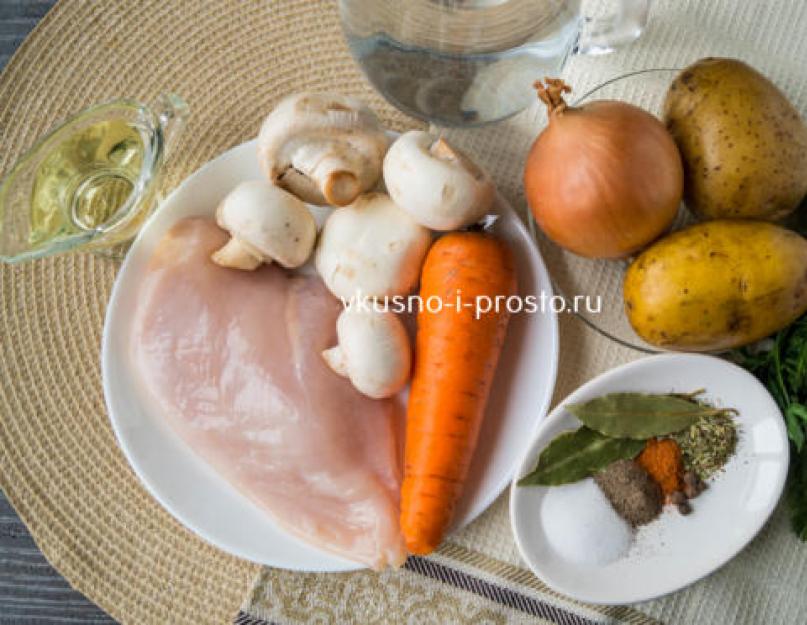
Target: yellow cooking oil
[(85, 179)]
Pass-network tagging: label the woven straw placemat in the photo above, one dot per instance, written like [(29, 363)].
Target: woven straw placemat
[(60, 465), (232, 60)]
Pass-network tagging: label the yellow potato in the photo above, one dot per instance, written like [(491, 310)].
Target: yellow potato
[(717, 285), (743, 144)]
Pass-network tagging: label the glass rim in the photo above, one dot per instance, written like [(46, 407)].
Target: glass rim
[(615, 79)]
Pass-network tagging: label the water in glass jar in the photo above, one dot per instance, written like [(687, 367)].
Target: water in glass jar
[(460, 62)]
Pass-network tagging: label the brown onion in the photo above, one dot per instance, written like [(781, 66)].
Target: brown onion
[(602, 180)]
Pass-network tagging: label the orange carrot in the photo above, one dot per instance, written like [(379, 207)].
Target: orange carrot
[(455, 359)]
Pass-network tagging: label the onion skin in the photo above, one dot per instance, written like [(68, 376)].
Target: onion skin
[(603, 180)]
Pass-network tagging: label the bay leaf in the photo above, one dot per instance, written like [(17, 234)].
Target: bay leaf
[(639, 415), (574, 455)]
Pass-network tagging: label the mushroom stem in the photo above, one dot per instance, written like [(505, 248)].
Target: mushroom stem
[(442, 150), (340, 188), (237, 256), (332, 173), (335, 358)]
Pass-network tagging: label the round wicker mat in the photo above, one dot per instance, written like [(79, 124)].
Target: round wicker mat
[(59, 463)]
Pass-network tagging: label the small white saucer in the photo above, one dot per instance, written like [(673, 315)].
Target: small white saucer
[(674, 550)]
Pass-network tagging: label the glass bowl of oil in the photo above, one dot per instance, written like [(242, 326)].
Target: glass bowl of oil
[(90, 183)]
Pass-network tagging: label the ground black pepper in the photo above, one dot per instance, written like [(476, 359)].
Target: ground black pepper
[(631, 491)]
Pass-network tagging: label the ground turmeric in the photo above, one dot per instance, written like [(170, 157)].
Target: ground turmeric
[(662, 460)]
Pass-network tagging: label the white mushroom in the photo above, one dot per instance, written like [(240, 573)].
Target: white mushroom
[(371, 248), (265, 224), (325, 148), (373, 351), (436, 183)]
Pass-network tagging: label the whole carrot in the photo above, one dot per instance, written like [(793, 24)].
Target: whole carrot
[(455, 359)]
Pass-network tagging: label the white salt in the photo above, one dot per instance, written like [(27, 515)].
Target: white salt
[(581, 525)]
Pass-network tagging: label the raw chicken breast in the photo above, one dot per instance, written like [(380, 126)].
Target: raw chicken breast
[(233, 362)]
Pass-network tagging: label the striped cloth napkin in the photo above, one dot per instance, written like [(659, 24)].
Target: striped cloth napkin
[(454, 586)]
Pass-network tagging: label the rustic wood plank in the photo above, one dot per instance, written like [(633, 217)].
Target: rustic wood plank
[(31, 591), (16, 9)]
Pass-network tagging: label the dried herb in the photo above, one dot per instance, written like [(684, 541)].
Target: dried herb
[(707, 444), (641, 416), (782, 367), (574, 455)]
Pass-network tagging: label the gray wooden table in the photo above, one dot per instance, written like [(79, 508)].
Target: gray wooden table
[(31, 591)]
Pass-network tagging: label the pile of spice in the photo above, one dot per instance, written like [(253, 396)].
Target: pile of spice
[(643, 451), (708, 444), (635, 496), (663, 461), (661, 458), (583, 526)]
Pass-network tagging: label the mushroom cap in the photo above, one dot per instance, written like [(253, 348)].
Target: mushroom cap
[(436, 183), (323, 147), (271, 223), (374, 350), (371, 248)]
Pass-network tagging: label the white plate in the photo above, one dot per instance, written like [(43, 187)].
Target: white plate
[(674, 550), (205, 502)]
